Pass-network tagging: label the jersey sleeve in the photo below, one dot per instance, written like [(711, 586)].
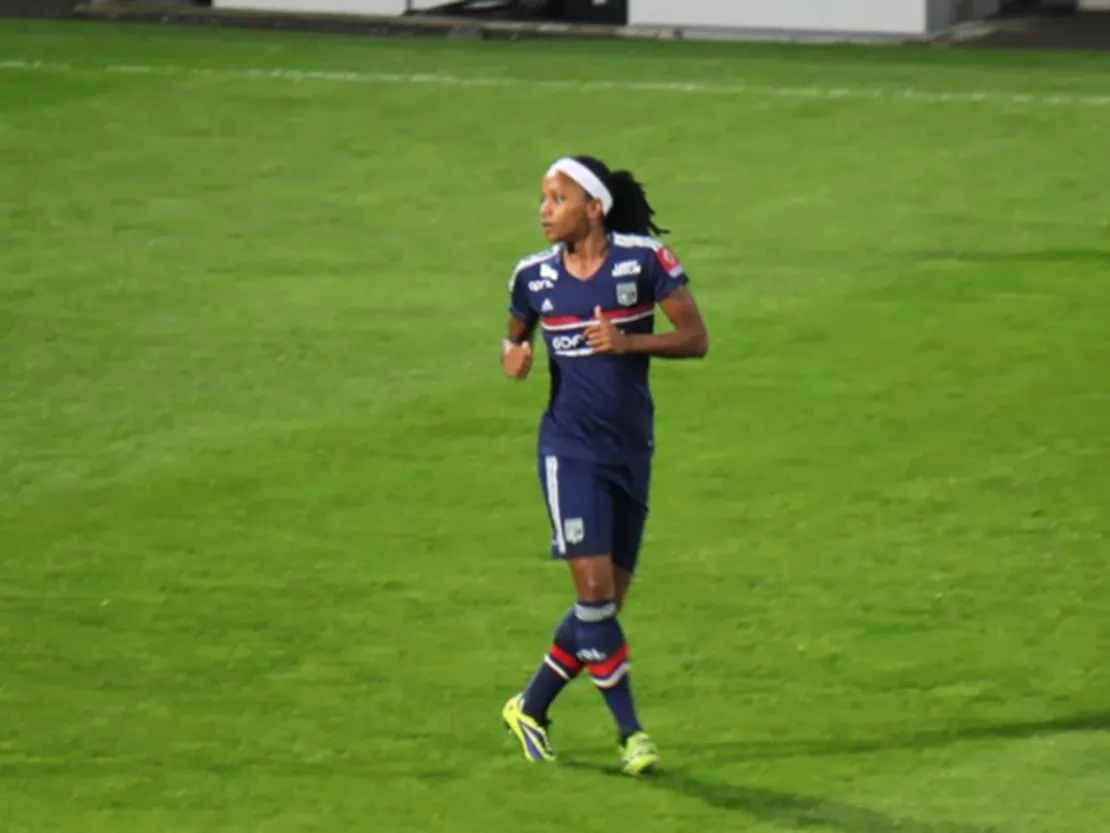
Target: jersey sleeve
[(667, 273), (520, 302)]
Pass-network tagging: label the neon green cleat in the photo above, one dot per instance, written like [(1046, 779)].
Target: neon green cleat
[(639, 755), (532, 736)]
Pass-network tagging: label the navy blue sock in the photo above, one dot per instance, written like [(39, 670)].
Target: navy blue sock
[(559, 667), (601, 645)]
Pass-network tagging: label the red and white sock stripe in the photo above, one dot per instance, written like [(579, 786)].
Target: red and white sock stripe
[(562, 663), (610, 672)]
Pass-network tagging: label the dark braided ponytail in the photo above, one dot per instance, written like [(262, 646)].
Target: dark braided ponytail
[(631, 212)]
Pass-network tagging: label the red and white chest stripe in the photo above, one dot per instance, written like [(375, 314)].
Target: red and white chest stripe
[(560, 323)]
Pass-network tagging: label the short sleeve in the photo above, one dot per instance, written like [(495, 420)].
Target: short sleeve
[(520, 305), (667, 273)]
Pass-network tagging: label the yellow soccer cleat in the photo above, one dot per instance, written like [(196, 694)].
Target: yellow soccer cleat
[(639, 755), (532, 736)]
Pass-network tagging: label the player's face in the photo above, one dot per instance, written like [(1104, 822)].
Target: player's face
[(567, 213)]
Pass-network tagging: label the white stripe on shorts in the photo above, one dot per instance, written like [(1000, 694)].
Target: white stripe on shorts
[(551, 468)]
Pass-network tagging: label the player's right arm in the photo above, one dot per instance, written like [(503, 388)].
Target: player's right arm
[(516, 347)]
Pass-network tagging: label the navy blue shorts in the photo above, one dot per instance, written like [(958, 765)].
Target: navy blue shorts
[(596, 509)]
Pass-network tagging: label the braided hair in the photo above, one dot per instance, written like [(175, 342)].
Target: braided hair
[(631, 212)]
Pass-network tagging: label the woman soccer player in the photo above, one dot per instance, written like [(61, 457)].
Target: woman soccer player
[(594, 295)]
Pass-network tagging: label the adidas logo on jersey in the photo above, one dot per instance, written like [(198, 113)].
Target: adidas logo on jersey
[(547, 305)]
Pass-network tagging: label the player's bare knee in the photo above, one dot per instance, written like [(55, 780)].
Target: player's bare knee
[(593, 579), (596, 588)]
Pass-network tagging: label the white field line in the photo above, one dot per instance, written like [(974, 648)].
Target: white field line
[(821, 93)]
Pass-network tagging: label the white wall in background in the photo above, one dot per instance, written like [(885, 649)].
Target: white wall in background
[(872, 16), (890, 17)]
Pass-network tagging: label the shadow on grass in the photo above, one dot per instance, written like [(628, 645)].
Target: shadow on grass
[(789, 810), (796, 811), (739, 751)]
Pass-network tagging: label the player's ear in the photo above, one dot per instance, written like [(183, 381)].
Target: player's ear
[(595, 211)]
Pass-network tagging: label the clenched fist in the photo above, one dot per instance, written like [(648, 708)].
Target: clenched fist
[(516, 359)]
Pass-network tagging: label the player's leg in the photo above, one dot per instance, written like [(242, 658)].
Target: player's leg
[(602, 646), (526, 713), (630, 511), (578, 506), (571, 492)]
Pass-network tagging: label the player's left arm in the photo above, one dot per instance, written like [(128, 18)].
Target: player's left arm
[(689, 338)]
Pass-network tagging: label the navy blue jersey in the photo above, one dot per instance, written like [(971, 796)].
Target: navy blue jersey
[(600, 408)]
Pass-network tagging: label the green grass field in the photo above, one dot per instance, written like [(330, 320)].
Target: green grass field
[(272, 551)]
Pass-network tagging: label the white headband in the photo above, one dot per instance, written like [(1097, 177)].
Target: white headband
[(589, 181)]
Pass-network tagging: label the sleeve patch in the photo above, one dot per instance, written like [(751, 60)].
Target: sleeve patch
[(669, 261)]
